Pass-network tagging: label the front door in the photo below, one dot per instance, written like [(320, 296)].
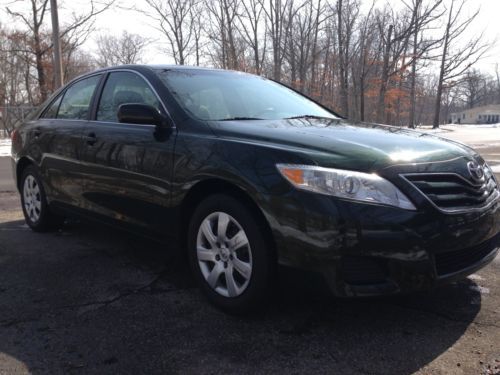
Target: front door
[(128, 166)]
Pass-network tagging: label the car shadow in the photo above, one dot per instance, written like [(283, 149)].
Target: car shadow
[(93, 299)]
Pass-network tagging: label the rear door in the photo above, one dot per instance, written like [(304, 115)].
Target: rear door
[(59, 132), (128, 166)]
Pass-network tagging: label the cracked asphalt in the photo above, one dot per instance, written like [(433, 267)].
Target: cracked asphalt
[(90, 299)]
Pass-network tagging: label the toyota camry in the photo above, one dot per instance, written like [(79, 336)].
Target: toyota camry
[(246, 174)]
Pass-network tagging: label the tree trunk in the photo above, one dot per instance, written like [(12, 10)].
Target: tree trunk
[(275, 27), (42, 82), (344, 83), (439, 94), (384, 78), (413, 82)]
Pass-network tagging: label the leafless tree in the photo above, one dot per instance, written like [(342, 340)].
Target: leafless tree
[(222, 32), (279, 16), (422, 16), (347, 15), (458, 52), (497, 74), (473, 88), (176, 20), (125, 49), (395, 31), (250, 22), (38, 45)]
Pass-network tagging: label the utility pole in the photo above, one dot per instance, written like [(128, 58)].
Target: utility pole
[(56, 41)]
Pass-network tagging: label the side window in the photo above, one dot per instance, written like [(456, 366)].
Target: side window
[(124, 88), (51, 111), (76, 101)]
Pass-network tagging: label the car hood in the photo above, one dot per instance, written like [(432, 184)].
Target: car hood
[(340, 144)]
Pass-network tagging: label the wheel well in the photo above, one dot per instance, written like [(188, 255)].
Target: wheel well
[(21, 165), (214, 186)]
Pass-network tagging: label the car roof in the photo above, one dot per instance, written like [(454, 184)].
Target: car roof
[(159, 67), (152, 67)]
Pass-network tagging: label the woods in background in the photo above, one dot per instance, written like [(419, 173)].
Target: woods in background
[(406, 64)]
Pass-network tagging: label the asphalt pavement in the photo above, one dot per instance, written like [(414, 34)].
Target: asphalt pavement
[(6, 179), (88, 299)]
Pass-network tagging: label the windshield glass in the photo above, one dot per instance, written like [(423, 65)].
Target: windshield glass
[(223, 95)]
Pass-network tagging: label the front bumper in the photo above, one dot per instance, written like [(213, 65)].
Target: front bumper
[(367, 250)]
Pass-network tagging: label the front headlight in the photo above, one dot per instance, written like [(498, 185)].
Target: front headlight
[(341, 183)]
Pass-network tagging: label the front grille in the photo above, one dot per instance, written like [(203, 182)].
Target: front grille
[(452, 192), (455, 261)]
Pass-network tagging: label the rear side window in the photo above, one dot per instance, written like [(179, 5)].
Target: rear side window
[(51, 111), (76, 101), (124, 88)]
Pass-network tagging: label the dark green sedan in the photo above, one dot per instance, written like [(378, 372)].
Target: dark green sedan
[(246, 174)]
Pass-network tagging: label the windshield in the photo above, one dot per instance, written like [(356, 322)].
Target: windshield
[(224, 95)]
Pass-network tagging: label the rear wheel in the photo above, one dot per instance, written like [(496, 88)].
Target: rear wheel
[(34, 203), (229, 254)]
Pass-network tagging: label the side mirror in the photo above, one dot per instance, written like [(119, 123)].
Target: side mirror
[(141, 114)]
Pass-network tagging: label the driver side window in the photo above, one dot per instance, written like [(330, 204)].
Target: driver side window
[(124, 88)]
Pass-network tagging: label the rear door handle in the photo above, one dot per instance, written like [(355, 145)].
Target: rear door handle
[(91, 139), (37, 132)]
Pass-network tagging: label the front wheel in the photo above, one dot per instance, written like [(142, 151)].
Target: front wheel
[(229, 254), (34, 203)]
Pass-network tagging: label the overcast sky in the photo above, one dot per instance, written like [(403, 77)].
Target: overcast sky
[(117, 20)]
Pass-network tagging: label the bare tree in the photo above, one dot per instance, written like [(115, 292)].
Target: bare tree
[(473, 88), (347, 14), (34, 21), (497, 74), (395, 31), (222, 32), (422, 15), (176, 20), (125, 49), (364, 60), (39, 45), (250, 19), (344, 84), (456, 58), (279, 16)]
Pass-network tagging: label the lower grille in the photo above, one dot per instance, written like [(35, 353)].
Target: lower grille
[(455, 261), (363, 270)]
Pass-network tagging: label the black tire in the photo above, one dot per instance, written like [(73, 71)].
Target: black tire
[(259, 284), (39, 219)]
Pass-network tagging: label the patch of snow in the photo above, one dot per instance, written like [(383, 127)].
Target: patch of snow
[(5, 147), (477, 136), (480, 289), (475, 277), (495, 168)]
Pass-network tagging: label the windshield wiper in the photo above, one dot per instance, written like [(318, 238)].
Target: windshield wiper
[(239, 118), (309, 116)]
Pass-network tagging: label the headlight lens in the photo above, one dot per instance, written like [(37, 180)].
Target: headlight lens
[(341, 183)]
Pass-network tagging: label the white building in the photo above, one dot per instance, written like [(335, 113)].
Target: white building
[(488, 114)]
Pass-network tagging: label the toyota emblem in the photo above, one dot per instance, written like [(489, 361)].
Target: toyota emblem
[(475, 170)]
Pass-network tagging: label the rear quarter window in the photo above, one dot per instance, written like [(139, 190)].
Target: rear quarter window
[(76, 101)]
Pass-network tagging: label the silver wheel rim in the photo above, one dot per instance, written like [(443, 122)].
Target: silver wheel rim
[(224, 254), (32, 198)]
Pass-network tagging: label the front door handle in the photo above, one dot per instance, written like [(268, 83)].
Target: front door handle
[(37, 132), (91, 139)]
